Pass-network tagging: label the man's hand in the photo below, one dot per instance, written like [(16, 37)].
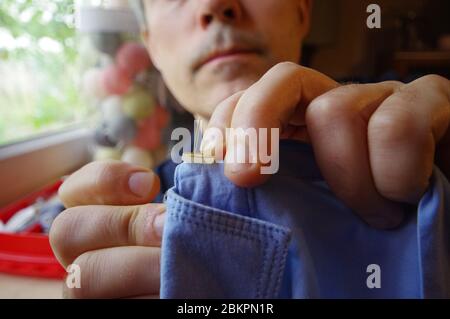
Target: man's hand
[(375, 144), (117, 247)]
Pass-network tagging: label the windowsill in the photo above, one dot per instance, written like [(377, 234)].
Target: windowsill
[(26, 166)]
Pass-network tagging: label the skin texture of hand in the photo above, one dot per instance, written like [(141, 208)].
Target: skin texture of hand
[(374, 143), (110, 231)]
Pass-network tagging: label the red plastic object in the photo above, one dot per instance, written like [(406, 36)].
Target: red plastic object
[(29, 253)]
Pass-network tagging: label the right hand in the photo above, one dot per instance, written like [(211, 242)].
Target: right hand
[(110, 231)]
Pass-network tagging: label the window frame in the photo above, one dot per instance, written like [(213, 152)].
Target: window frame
[(28, 165)]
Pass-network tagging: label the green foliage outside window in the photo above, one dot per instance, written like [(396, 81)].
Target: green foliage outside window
[(39, 68)]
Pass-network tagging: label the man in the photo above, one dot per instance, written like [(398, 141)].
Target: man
[(230, 62)]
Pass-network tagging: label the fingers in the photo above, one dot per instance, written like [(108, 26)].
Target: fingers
[(278, 100), (109, 183), (403, 134), (118, 272), (214, 139), (337, 124), (86, 228), (283, 93), (107, 242)]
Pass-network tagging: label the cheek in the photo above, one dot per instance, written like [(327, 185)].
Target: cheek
[(161, 49), (285, 16), (168, 40)]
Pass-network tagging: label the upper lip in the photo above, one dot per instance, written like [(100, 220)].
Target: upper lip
[(224, 52)]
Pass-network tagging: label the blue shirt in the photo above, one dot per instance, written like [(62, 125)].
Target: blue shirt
[(292, 238)]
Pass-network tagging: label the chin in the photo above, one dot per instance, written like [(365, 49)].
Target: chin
[(246, 71), (220, 89), (224, 90), (217, 85)]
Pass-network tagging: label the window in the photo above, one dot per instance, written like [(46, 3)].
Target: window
[(39, 68)]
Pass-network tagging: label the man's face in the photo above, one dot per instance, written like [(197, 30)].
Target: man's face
[(207, 50)]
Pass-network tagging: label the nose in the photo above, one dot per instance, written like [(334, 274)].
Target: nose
[(224, 11)]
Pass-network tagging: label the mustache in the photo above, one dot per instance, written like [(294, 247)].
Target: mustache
[(221, 38)]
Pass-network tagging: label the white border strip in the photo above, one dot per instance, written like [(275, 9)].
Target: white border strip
[(93, 19)]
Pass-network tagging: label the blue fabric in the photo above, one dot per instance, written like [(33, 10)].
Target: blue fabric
[(291, 238), (166, 173)]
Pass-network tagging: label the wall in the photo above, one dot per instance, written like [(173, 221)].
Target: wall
[(348, 53)]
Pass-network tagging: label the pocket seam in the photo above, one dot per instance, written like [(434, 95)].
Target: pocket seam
[(251, 229)]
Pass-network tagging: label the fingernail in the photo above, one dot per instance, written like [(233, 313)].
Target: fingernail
[(141, 183), (158, 224)]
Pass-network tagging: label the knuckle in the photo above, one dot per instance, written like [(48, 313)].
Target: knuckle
[(391, 127), (138, 224), (320, 109), (431, 81), (405, 94), (131, 223), (437, 80), (329, 108), (392, 133), (142, 224), (287, 65), (291, 72)]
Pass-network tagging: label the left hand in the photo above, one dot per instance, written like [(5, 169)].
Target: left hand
[(375, 144)]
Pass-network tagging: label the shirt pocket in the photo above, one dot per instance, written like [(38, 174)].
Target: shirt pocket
[(211, 253)]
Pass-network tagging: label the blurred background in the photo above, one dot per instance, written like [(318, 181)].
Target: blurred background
[(413, 40), (38, 68), (69, 94)]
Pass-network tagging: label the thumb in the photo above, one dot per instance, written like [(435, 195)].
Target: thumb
[(109, 183)]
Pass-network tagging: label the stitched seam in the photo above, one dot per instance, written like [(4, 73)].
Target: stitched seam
[(259, 278), (276, 269), (266, 270), (273, 265), (222, 223), (202, 214), (213, 227), (260, 291), (251, 208), (198, 212), (281, 268), (223, 230), (256, 233)]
